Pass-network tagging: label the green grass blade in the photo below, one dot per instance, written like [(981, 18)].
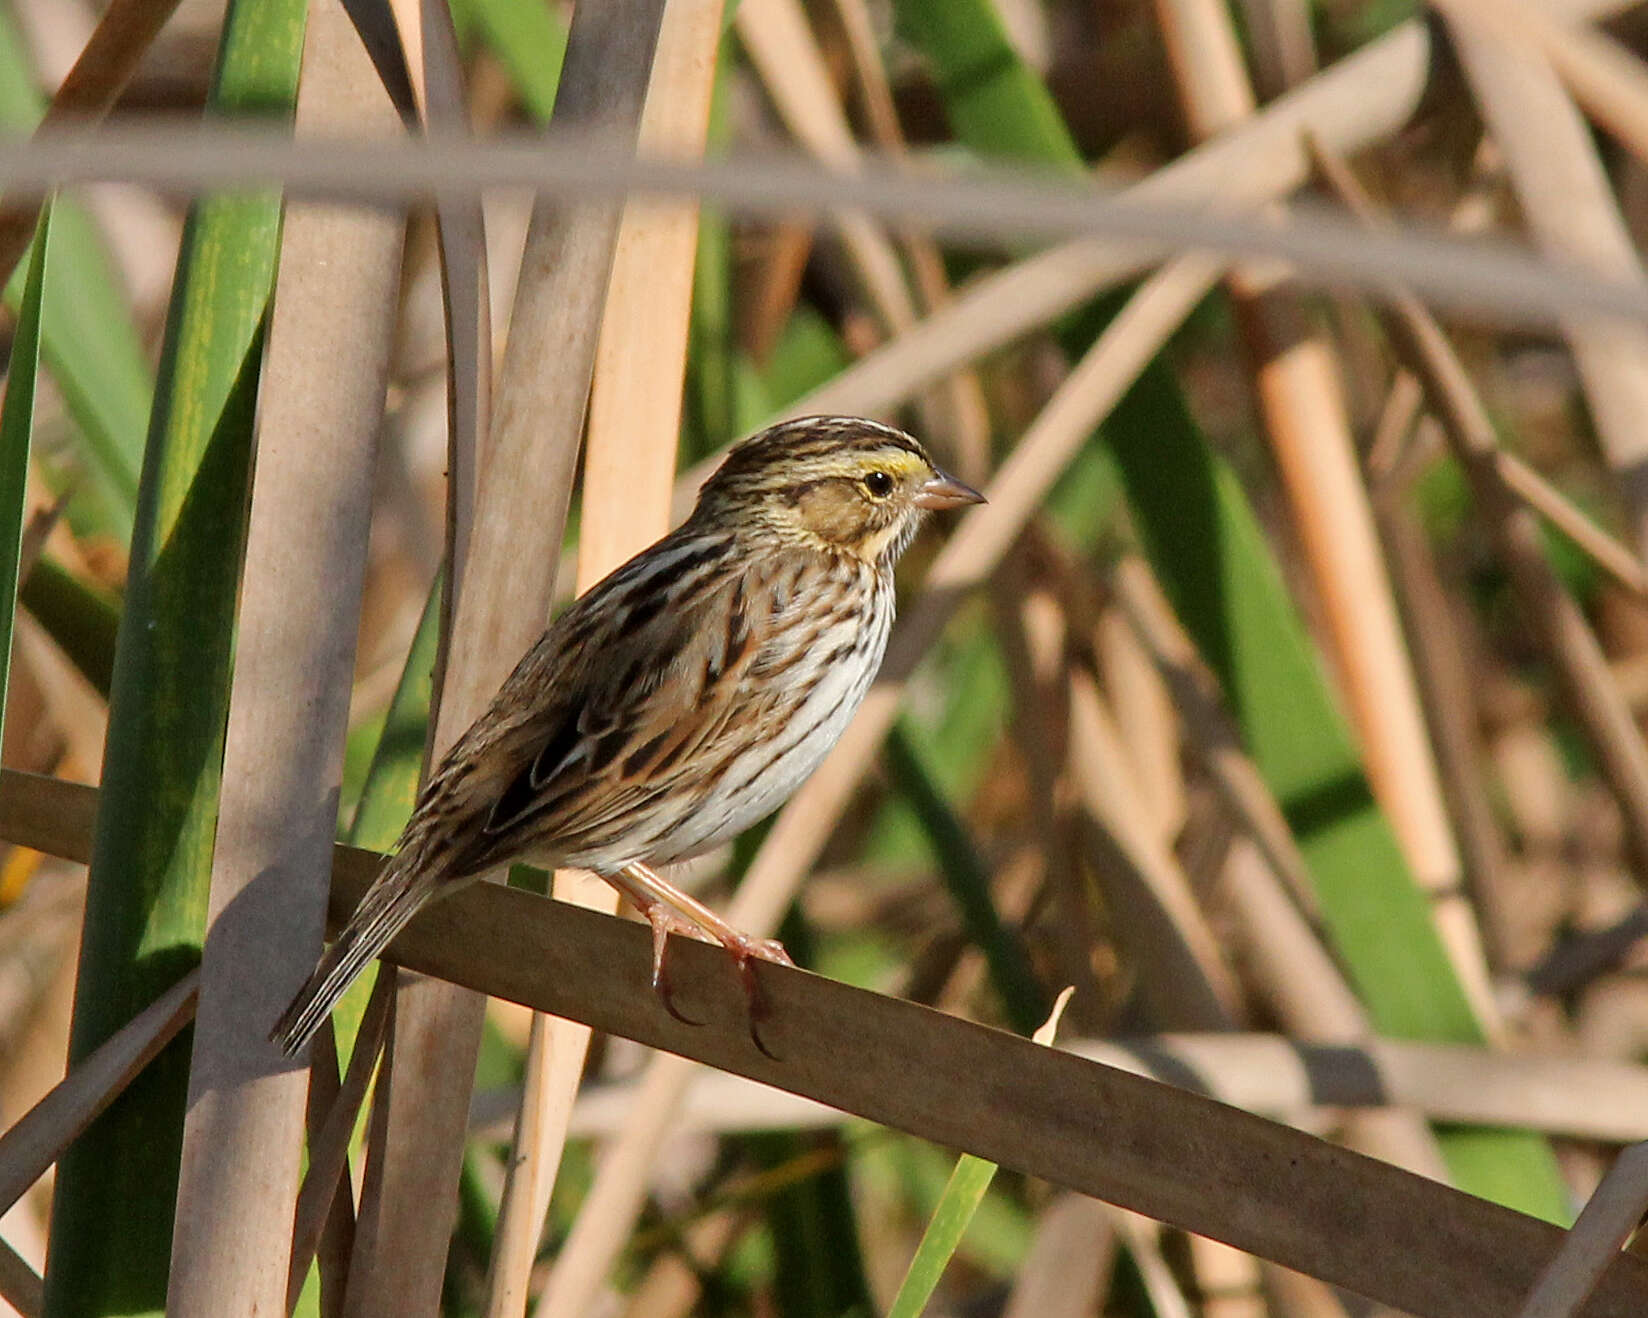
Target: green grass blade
[(16, 431), (995, 102), (391, 787), (151, 859), (529, 40), (88, 340), (962, 1196), (82, 618)]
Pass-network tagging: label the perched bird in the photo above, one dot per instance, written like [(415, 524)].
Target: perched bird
[(675, 703)]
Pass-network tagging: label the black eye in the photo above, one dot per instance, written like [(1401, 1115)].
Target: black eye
[(879, 484)]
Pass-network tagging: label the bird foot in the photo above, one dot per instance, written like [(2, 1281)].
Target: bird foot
[(670, 911), (746, 950), (665, 922)]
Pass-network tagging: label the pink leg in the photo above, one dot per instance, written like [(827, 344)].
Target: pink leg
[(664, 921), (654, 897)]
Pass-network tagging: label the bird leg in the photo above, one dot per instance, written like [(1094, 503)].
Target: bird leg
[(670, 910), (665, 920)]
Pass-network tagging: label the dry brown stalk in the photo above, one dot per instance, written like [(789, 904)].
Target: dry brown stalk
[(1067, 1271), (36, 1139), (1212, 732), (20, 1285), (629, 465), (1030, 628), (1359, 101), (1558, 623), (1183, 973), (1301, 397), (409, 1202), (320, 411), (466, 298), (1143, 709), (335, 1238), (780, 44), (126, 29), (1608, 1220), (326, 1183), (1451, 708), (1569, 205), (959, 405)]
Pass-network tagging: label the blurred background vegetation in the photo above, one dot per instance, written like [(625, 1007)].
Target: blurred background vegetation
[(1305, 706)]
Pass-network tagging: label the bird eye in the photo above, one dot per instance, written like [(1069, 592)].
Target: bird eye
[(879, 484)]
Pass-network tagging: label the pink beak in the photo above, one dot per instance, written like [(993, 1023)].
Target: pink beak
[(941, 491)]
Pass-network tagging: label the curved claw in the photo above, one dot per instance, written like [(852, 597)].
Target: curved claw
[(755, 1004), (663, 924), (745, 952)]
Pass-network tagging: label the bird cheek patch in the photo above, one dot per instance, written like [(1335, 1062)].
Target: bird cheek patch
[(835, 511)]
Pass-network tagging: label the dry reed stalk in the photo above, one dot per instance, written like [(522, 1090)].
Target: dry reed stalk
[(1284, 1078), (406, 20), (1226, 1281), (1559, 625), (986, 207), (1292, 971), (1570, 208), (960, 402), (324, 1229), (1179, 964), (1030, 628), (409, 1203), (772, 292), (674, 1286), (326, 1190), (466, 300), (1561, 512), (1602, 75), (1283, 45), (1302, 400), (1449, 692), (320, 410), (35, 1140), (1212, 732), (629, 465), (1143, 710), (1611, 1215), (1144, 1243), (124, 31), (801, 829), (1392, 431), (1067, 1270), (335, 1237), (1265, 876), (1173, 1155), (20, 1285), (780, 44)]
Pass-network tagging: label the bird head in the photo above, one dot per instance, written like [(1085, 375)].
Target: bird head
[(843, 484)]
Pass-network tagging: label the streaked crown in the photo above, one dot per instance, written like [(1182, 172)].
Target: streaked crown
[(843, 484)]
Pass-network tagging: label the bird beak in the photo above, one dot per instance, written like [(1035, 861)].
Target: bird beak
[(941, 491)]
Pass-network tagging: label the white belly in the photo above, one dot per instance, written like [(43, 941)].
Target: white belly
[(756, 783)]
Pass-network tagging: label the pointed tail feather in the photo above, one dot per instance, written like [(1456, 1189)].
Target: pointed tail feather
[(393, 899)]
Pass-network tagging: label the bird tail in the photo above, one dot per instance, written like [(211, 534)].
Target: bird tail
[(407, 883)]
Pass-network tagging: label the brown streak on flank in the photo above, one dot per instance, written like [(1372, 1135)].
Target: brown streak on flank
[(638, 758)]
